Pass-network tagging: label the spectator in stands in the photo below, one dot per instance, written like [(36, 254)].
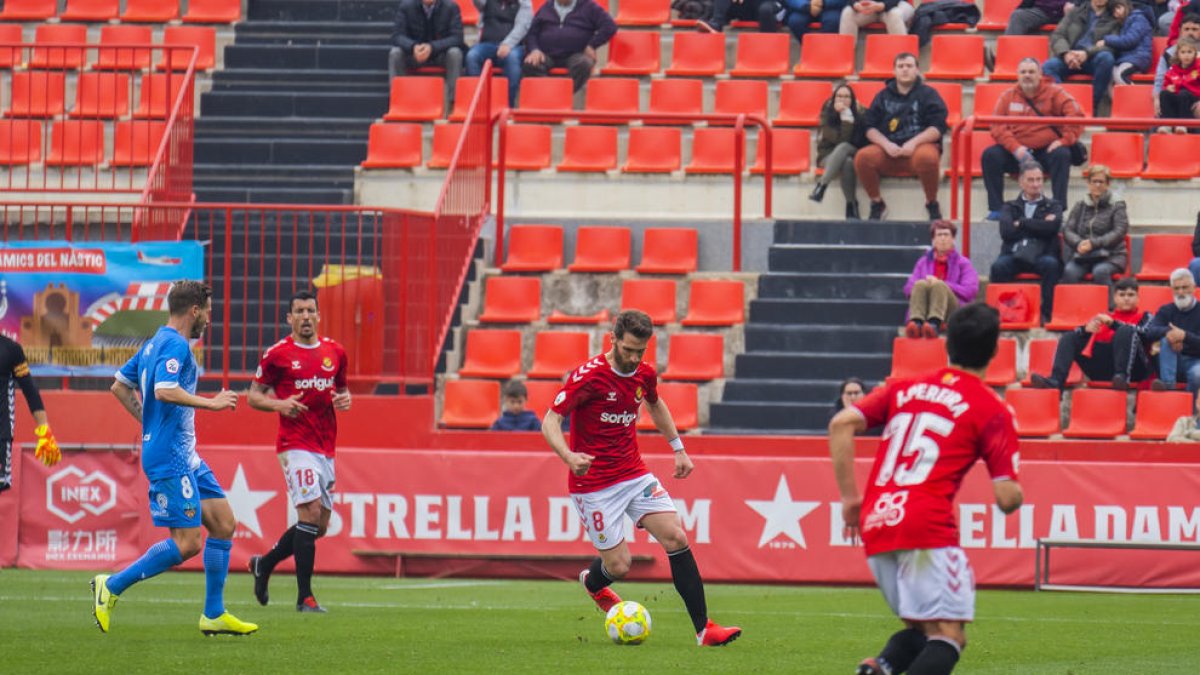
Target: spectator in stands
[(1181, 86), (514, 416), (850, 391), (904, 126), (504, 24), (940, 282), (1050, 145), (765, 12), (801, 14), (896, 15), (1029, 17), (1029, 228), (566, 34), (1194, 265), (1189, 27), (1094, 233), (1111, 346), (1177, 324), (428, 33), (1167, 20), (1077, 47), (1187, 428), (1133, 46), (841, 134)]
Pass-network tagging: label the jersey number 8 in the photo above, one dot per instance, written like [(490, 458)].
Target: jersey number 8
[(909, 436), (185, 487)]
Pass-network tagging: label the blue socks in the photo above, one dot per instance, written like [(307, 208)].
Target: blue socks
[(216, 568), (157, 559)]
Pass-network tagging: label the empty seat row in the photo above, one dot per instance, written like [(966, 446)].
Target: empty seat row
[(104, 55), (912, 357), (136, 11), (42, 94), (539, 248), (80, 143), (1097, 413), (711, 302)]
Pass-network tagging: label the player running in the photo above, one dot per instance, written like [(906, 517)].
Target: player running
[(14, 372), (608, 479), (938, 425), (303, 378), (183, 491)]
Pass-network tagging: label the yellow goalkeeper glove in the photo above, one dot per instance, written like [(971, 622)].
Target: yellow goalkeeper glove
[(47, 447)]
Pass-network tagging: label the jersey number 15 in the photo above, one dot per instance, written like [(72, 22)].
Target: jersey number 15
[(909, 436)]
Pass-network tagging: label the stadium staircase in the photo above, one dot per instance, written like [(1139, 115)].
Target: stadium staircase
[(827, 309), (287, 118)]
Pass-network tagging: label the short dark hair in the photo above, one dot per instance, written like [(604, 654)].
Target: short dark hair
[(514, 389), (972, 334), (301, 295), (635, 322), (186, 294), (943, 225), (1126, 283), (905, 55), (1190, 17)]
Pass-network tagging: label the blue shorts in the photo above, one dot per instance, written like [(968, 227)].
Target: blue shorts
[(175, 500)]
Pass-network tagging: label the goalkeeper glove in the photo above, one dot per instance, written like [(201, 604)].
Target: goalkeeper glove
[(47, 447)]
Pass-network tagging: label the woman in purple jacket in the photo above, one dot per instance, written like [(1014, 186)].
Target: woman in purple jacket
[(940, 282)]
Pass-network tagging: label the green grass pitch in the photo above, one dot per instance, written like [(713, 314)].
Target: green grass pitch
[(501, 626)]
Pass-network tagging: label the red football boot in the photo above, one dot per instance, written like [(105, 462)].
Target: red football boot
[(604, 598), (717, 636)]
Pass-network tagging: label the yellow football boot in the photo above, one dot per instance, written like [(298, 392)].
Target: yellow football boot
[(226, 624), (104, 601)]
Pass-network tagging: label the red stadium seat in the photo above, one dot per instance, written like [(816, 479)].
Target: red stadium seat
[(589, 149), (650, 357), (416, 99), (1158, 45), (790, 150), (1096, 413), (1010, 49), (1173, 157), (470, 404), (527, 147), (653, 150), (634, 52), (1151, 298), (987, 95), (541, 395), (492, 354), (1035, 411), (128, 58), (101, 95), (76, 143), (741, 96), (1163, 254), (512, 300), (800, 103), (696, 357), (1157, 412), (1121, 153), (682, 400), (952, 94), (213, 11), (37, 94), (996, 14), (712, 151), (464, 91), (1134, 100), (470, 13), (545, 93), (1041, 361), (534, 248), (155, 101), (393, 146), (59, 58), (1076, 304), (669, 250), (716, 302), (643, 12), (912, 357), (866, 90), (881, 51), (557, 353), (20, 142), (604, 248), (136, 142), (150, 11), (1082, 93), (90, 10), (204, 38), (613, 94), (445, 140), (697, 54), (1016, 297), (676, 95), (11, 57), (655, 297), (761, 55), (601, 317), (28, 10), (956, 57), (1002, 371), (825, 56), (980, 141)]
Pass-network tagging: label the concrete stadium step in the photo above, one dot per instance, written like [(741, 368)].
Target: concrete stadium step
[(322, 10), (778, 418), (299, 103), (273, 196), (257, 127), (796, 391), (818, 338), (860, 233), (846, 312), (210, 150), (286, 173), (370, 56), (844, 258), (310, 79), (826, 285), (327, 32), (814, 365)]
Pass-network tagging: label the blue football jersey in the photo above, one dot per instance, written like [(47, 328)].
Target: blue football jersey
[(168, 430)]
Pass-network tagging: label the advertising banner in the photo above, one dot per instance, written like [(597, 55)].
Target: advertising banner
[(82, 308)]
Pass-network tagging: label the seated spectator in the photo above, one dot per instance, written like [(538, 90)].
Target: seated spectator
[(1133, 47), (1168, 20), (1031, 15), (1189, 27), (801, 14), (1029, 228), (1049, 145), (841, 134), (850, 391), (1109, 347), (1186, 429), (1075, 49), (1181, 85), (504, 24), (428, 33), (1177, 324), (1194, 265), (514, 416), (934, 13), (1094, 234), (904, 127), (940, 282), (765, 12), (566, 34), (896, 15)]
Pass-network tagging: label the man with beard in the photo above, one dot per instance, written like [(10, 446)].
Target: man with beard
[(1177, 324)]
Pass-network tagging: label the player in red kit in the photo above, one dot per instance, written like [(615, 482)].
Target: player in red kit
[(608, 480), (303, 378), (938, 425)]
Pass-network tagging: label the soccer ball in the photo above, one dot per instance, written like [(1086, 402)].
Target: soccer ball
[(627, 623)]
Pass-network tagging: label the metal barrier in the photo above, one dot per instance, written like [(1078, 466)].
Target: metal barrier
[(739, 122)]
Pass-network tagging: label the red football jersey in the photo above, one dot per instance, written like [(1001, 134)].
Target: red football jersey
[(315, 372), (937, 426), (604, 405)]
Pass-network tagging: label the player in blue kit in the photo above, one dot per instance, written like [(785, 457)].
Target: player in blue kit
[(158, 387)]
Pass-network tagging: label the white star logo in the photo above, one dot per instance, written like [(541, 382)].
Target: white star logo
[(782, 514), (246, 502)]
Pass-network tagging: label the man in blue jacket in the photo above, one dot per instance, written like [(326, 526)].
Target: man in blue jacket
[(1177, 324), (566, 34), (428, 33)]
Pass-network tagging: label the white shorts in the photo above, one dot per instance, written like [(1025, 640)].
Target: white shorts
[(309, 476), (926, 584), (603, 512)]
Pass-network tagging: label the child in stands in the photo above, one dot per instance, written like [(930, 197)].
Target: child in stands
[(1181, 86), (514, 416)]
